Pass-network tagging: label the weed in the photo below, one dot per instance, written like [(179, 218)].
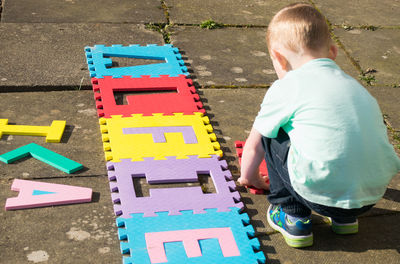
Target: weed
[(80, 85), (153, 27), (368, 78), (166, 10), (394, 134), (210, 24), (370, 71), (160, 28), (347, 27), (369, 27)]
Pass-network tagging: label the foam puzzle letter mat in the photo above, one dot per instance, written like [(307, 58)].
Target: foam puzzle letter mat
[(181, 99), (38, 194), (210, 237), (99, 62), (158, 136), (173, 200)]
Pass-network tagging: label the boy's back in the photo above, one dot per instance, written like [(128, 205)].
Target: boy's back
[(322, 134), (339, 154)]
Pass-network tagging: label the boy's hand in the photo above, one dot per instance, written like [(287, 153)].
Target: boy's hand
[(253, 154), (259, 182)]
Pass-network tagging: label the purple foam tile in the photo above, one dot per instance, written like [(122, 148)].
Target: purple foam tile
[(173, 200), (158, 133)]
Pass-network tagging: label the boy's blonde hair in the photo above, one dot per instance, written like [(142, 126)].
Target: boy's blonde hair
[(299, 27)]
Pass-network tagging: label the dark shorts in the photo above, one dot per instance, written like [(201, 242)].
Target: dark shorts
[(281, 190)]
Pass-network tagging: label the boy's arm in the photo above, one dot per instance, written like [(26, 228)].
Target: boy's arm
[(253, 154)]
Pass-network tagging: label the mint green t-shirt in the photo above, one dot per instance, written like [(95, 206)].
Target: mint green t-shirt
[(340, 154)]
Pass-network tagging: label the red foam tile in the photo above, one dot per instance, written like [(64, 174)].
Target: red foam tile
[(183, 99), (262, 169)]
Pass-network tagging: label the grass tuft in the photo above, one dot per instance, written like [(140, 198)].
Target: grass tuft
[(368, 76), (161, 28), (210, 24)]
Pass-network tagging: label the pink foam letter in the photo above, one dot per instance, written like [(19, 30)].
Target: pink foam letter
[(155, 242), (49, 194)]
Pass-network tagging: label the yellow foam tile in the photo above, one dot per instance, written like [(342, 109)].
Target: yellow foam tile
[(140, 136)]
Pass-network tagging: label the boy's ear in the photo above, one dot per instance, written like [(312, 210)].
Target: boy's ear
[(283, 62), (333, 50)]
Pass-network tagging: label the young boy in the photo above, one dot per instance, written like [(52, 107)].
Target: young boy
[(322, 134)]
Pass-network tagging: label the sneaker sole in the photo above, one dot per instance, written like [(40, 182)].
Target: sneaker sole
[(344, 229), (292, 241)]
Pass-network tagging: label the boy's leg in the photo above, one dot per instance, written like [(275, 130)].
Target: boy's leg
[(281, 191), (285, 214), (344, 221)]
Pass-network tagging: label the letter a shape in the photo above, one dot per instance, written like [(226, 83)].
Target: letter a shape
[(38, 194)]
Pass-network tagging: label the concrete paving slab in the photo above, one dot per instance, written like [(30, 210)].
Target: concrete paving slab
[(388, 99), (234, 12), (356, 13), (375, 243), (231, 56), (81, 141), (375, 50), (232, 113), (82, 11), (83, 238), (77, 233), (51, 56)]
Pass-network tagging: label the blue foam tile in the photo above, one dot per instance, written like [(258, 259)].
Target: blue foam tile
[(99, 61), (134, 229)]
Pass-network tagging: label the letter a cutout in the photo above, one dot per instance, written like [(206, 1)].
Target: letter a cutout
[(38, 194)]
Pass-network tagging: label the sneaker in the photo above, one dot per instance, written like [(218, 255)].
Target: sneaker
[(297, 232), (344, 227)]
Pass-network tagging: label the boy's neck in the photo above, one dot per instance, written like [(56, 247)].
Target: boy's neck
[(285, 60), (298, 60)]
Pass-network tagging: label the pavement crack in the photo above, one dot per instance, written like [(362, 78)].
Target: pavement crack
[(6, 180), (394, 134), (369, 27), (166, 10), (161, 28), (222, 25), (1, 8), (164, 28), (231, 86), (42, 88)]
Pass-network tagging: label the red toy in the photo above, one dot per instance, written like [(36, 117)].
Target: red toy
[(263, 167), (182, 99)]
